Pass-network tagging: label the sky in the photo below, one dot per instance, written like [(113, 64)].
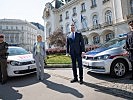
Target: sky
[(29, 10)]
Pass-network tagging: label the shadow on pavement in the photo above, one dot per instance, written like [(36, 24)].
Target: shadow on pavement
[(108, 78), (62, 88), (112, 91), (8, 93)]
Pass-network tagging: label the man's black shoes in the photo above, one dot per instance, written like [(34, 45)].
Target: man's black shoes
[(3, 82), (81, 81), (74, 80)]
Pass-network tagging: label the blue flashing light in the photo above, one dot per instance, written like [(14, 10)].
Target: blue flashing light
[(123, 35)]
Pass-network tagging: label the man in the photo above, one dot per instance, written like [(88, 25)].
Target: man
[(39, 55), (3, 60), (76, 49), (129, 44)]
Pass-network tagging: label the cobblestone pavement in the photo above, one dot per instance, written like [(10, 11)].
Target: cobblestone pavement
[(122, 87)]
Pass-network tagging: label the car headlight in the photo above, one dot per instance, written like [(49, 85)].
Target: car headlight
[(102, 57), (15, 63)]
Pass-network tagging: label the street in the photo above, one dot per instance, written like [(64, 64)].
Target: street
[(57, 86)]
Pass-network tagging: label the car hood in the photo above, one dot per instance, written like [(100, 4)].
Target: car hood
[(21, 58), (103, 50)]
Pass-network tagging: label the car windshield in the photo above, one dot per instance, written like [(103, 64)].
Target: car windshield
[(17, 51), (115, 43)]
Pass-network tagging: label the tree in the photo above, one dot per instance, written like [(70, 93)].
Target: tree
[(57, 39)]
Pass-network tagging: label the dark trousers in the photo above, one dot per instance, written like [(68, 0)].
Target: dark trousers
[(77, 58), (3, 70), (132, 68)]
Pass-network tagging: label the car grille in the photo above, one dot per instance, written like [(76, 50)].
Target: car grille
[(28, 62), (25, 71)]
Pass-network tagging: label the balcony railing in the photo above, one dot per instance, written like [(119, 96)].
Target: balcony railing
[(60, 20), (93, 6), (67, 17), (106, 24), (83, 10), (74, 14), (104, 1), (98, 26)]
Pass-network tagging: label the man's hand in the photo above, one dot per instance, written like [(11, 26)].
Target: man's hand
[(83, 53), (67, 54)]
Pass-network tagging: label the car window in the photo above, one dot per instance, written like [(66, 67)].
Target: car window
[(17, 51), (115, 42)]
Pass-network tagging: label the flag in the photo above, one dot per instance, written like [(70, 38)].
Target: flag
[(81, 18)]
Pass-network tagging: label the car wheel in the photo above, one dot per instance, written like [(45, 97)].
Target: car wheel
[(118, 68)]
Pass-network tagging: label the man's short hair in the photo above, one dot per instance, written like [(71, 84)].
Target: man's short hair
[(1, 35), (72, 24)]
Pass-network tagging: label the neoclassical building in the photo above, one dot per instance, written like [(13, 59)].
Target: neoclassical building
[(19, 32), (98, 20)]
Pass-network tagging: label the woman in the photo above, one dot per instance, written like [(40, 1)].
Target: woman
[(39, 55)]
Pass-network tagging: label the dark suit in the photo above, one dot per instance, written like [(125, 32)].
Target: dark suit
[(129, 47), (3, 62), (75, 47)]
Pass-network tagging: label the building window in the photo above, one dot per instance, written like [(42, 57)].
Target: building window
[(12, 38), (74, 11), (67, 15), (17, 38), (11, 27), (131, 5), (84, 23), (96, 39), (7, 27), (62, 28), (108, 17), (16, 28), (49, 31), (104, 1), (83, 7), (109, 36), (22, 28), (67, 28), (93, 3), (95, 21), (0, 27), (61, 18)]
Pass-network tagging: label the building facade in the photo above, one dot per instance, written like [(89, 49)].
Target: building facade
[(20, 33), (98, 20)]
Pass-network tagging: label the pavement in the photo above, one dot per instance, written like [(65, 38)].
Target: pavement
[(57, 86)]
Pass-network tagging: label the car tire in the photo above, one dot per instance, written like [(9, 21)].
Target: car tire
[(119, 68)]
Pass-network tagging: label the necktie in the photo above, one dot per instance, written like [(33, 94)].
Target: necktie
[(73, 36)]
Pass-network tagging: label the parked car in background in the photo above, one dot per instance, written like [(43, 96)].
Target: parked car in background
[(20, 62), (109, 58)]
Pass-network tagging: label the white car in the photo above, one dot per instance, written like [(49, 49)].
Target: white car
[(20, 62), (109, 58)]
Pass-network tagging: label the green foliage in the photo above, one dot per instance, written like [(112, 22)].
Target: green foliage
[(58, 59)]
